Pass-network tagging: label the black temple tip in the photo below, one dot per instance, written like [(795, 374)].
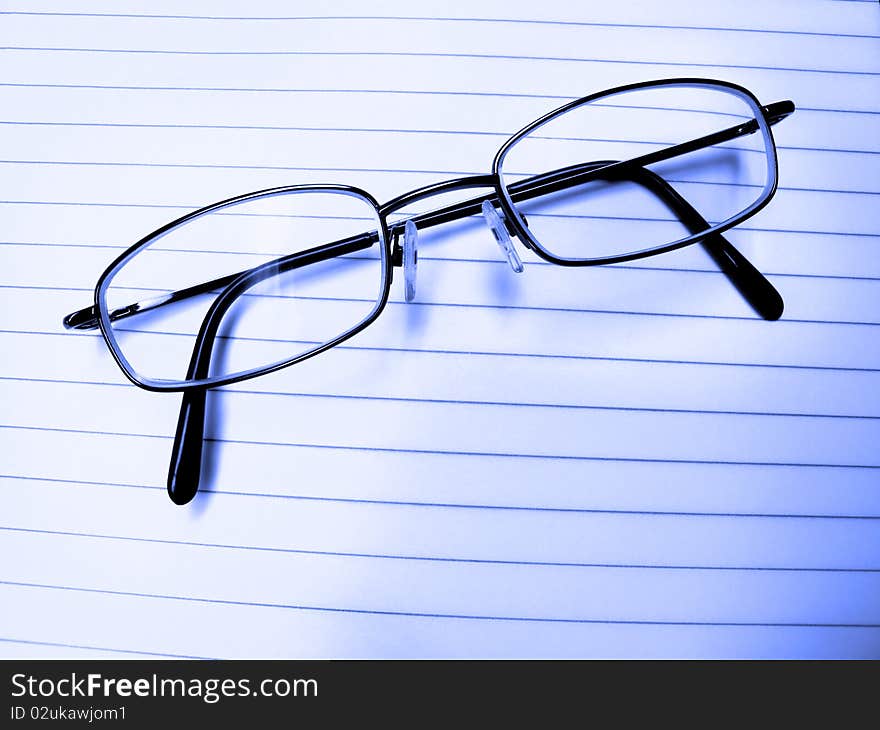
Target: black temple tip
[(185, 470), (778, 110), (769, 304), (754, 287), (83, 319)]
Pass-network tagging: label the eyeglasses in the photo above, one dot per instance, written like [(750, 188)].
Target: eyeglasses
[(261, 281)]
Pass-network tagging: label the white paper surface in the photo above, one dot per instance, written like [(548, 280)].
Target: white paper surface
[(614, 461)]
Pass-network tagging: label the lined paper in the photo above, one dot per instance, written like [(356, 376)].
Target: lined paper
[(614, 461)]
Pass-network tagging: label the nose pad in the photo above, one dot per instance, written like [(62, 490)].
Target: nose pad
[(499, 230), (410, 259)]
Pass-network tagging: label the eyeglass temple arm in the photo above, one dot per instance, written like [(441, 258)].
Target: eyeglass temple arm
[(748, 281), (185, 469), (752, 285), (87, 318), (184, 472)]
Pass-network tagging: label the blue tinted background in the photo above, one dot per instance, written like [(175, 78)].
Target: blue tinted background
[(618, 461)]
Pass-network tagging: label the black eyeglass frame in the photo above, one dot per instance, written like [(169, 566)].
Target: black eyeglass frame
[(742, 274)]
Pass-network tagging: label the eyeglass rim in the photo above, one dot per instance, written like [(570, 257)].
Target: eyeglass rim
[(156, 385), (530, 241), (492, 180)]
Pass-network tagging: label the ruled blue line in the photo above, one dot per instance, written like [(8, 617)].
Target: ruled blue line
[(166, 206), (436, 559), (456, 260), (618, 105), (456, 173), (425, 54), (460, 305), (522, 21), (502, 307), (436, 615), (449, 173), (415, 92), (31, 642), (439, 452), (549, 356), (451, 505), (450, 401), (413, 171), (383, 130)]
